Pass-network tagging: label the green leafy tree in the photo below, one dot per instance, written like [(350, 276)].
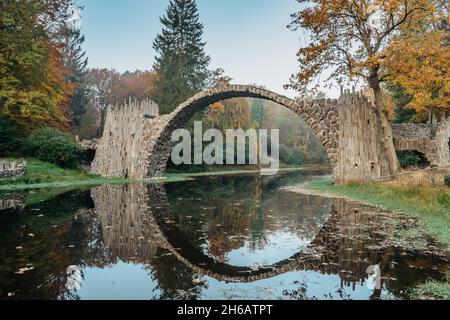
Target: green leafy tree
[(181, 62), (52, 145)]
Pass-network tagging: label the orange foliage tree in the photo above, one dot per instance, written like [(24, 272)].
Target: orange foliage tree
[(355, 40), (419, 62), (135, 85), (32, 88)]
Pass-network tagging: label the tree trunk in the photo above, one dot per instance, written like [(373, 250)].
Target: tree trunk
[(388, 139)]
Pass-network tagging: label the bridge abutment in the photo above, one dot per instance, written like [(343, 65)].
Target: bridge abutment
[(360, 157)]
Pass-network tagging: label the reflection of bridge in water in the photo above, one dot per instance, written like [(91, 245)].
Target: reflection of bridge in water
[(137, 219)]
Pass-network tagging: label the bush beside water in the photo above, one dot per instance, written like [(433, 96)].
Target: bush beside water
[(10, 139), (54, 146)]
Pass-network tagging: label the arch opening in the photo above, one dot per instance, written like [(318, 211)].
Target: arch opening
[(320, 116), (298, 143), (412, 159)]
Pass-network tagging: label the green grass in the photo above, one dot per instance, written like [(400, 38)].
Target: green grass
[(41, 174), (431, 290), (430, 205)]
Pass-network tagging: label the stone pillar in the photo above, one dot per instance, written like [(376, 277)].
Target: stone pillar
[(360, 156), (442, 139), (122, 152)]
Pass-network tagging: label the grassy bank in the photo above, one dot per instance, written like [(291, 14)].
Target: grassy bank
[(431, 205), (432, 290), (41, 174)]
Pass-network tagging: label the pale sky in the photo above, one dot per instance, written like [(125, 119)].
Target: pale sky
[(249, 39)]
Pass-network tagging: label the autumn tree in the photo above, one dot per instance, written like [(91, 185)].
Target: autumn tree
[(233, 113), (32, 87), (181, 62), (101, 83), (419, 62), (355, 39), (136, 85), (230, 114)]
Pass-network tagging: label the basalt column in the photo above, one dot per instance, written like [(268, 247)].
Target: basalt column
[(360, 152)]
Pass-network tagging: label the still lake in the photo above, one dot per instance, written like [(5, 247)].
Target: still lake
[(241, 236)]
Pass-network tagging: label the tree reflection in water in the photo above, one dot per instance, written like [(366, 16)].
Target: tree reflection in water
[(219, 237)]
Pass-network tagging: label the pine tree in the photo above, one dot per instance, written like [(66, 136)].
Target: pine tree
[(181, 62), (401, 101), (75, 62)]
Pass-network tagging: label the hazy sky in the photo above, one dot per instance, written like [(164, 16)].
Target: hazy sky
[(247, 38)]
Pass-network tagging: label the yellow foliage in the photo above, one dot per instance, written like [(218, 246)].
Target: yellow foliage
[(401, 41), (420, 63)]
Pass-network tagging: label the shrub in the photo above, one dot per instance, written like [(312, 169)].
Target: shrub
[(410, 158), (447, 180), (54, 146), (291, 156), (10, 139)]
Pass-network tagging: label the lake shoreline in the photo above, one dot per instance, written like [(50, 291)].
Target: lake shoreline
[(84, 179), (436, 226)]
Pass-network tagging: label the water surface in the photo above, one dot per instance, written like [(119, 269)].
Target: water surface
[(222, 237)]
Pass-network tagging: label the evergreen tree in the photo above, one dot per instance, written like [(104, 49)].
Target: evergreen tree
[(76, 62), (401, 101), (181, 62)]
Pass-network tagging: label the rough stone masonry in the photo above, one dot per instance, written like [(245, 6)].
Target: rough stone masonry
[(430, 140), (136, 142)]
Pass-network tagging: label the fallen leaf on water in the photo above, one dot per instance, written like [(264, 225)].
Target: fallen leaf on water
[(19, 248), (23, 270), (197, 281), (31, 235)]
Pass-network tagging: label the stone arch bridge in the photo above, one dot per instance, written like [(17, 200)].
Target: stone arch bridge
[(136, 142), (432, 141)]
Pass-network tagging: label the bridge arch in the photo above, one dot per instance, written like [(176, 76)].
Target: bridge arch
[(136, 143), (321, 116)]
